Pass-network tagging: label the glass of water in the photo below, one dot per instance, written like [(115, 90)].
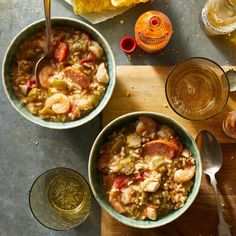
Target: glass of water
[(219, 17), (60, 199)]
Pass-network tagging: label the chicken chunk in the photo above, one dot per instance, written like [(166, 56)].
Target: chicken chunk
[(96, 49), (150, 186), (151, 213), (102, 75)]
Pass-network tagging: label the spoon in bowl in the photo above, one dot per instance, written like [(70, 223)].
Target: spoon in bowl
[(45, 60), (212, 161)]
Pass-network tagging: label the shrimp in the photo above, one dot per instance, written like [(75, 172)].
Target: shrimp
[(59, 103), (145, 125), (96, 49), (165, 132), (45, 74), (183, 175), (116, 204)]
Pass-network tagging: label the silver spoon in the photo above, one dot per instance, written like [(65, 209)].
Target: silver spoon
[(212, 161), (43, 61)]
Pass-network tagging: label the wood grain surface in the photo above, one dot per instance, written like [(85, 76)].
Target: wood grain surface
[(142, 88)]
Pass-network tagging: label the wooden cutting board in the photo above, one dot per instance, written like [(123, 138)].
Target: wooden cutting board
[(142, 88)]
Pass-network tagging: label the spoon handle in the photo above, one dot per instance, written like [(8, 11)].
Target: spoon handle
[(223, 227), (47, 9)]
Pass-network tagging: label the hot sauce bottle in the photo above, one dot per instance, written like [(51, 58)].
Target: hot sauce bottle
[(153, 31)]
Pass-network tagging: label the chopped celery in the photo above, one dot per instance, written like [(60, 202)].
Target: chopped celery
[(30, 54), (143, 197), (80, 45), (33, 94), (162, 169), (188, 185), (156, 162), (51, 91), (46, 112), (127, 165), (59, 84), (117, 145), (95, 99), (133, 140)]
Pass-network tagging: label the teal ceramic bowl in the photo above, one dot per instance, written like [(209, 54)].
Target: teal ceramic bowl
[(30, 30), (94, 177)]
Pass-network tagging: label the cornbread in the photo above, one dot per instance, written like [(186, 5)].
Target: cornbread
[(89, 6), (126, 3)]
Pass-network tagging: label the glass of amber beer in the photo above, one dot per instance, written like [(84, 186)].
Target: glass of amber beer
[(219, 17), (197, 88)]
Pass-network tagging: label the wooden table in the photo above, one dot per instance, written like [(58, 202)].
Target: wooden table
[(142, 88)]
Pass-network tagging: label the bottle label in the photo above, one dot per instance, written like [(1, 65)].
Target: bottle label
[(152, 41)]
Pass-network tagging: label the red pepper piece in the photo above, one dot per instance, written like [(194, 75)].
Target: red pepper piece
[(61, 51), (139, 177), (31, 84), (88, 59), (121, 181)]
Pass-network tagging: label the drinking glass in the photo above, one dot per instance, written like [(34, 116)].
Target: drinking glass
[(219, 16), (60, 199), (197, 88)]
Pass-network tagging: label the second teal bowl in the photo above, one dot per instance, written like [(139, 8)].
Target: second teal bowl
[(94, 177)]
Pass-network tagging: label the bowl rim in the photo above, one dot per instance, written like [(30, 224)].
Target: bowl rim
[(120, 217), (87, 117), (192, 59)]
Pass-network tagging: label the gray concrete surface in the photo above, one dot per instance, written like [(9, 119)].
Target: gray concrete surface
[(27, 150)]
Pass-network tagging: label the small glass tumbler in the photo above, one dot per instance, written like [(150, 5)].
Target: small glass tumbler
[(197, 88), (60, 199), (219, 17), (229, 124)]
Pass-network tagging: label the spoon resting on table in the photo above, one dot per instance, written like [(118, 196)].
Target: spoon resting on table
[(212, 161), (45, 60)]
